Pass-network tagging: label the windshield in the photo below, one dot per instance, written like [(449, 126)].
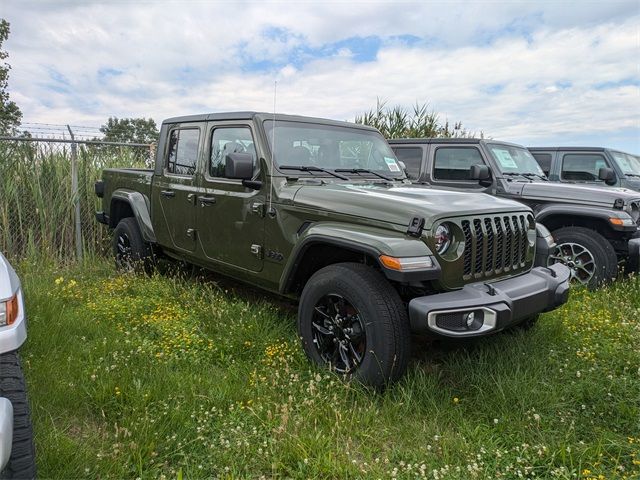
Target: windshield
[(317, 146), (515, 160), (629, 164)]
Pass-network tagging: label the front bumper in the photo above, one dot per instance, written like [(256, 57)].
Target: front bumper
[(6, 431), (483, 308)]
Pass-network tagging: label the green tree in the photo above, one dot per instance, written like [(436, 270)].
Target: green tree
[(398, 122), (10, 114), (130, 130)]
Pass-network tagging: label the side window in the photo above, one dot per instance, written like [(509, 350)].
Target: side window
[(226, 140), (544, 160), (183, 151), (582, 166), (454, 163), (412, 159)]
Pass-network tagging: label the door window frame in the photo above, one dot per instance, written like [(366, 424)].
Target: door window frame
[(561, 166), (211, 128), (461, 182)]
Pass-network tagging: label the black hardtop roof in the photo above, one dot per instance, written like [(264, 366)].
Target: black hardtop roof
[(561, 149), (261, 116), (469, 141)]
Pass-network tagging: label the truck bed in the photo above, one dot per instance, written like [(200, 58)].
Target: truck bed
[(132, 179)]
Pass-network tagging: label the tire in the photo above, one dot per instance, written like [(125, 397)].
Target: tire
[(583, 249), (22, 462), (130, 250), (372, 316)]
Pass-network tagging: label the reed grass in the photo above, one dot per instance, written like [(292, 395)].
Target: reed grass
[(36, 199)]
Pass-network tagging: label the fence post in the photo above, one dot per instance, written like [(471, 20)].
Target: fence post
[(76, 195)]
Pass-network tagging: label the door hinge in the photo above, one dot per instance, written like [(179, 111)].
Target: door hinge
[(258, 208), (191, 198), (191, 233), (256, 250)]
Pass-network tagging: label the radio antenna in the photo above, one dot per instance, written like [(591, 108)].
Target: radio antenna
[(273, 144)]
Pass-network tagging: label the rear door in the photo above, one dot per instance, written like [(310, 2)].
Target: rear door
[(175, 189), (230, 216)]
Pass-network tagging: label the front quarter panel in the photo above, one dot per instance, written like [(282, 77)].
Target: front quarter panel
[(370, 240)]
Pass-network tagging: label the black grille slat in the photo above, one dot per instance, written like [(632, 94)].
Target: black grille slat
[(466, 231), (516, 242), (525, 240), (499, 244), (490, 258), (479, 235), (508, 247)]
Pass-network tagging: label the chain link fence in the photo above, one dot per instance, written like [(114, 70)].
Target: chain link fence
[(47, 199)]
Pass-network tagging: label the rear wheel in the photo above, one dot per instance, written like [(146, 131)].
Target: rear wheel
[(351, 320), (131, 252), (22, 462), (590, 257)]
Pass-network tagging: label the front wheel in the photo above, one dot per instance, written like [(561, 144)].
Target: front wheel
[(22, 462), (590, 257), (351, 320)]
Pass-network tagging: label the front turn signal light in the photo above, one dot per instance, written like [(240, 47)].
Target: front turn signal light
[(406, 264), (621, 222), (9, 311)]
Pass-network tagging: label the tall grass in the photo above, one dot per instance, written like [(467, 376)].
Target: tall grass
[(36, 200)]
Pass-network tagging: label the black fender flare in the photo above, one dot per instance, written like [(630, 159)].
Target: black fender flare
[(139, 204)]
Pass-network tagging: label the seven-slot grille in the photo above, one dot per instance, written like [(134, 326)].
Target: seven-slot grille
[(495, 244)]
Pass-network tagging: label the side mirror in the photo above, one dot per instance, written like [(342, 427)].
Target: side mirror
[(482, 173), (239, 166), (608, 175)]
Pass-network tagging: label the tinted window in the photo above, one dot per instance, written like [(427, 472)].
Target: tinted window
[(183, 151), (454, 163), (412, 158), (544, 160), (228, 140), (582, 166)]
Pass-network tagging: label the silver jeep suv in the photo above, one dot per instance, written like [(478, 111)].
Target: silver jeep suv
[(17, 454)]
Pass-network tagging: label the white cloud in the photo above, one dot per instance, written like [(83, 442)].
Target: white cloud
[(520, 71)]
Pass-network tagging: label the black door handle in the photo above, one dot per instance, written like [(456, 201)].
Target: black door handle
[(204, 201), (167, 193)]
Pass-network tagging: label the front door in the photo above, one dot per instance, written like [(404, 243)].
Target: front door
[(175, 190), (230, 215)]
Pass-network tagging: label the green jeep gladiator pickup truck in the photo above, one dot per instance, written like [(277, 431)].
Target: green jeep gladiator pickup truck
[(320, 211)]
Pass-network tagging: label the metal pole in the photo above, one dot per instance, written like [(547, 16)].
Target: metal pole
[(76, 194)]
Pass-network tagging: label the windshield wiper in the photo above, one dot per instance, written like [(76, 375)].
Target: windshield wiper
[(632, 175), (535, 175), (514, 174), (365, 170), (311, 168)]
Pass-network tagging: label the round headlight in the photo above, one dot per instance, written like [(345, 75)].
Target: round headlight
[(443, 238)]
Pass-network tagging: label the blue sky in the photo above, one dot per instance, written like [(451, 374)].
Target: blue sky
[(532, 72)]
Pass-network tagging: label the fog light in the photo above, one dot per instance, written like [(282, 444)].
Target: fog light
[(474, 319), (470, 317)]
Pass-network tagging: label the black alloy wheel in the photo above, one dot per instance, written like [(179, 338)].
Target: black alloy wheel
[(338, 333)]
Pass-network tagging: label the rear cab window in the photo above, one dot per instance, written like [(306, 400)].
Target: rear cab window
[(182, 152), (544, 160), (412, 159)]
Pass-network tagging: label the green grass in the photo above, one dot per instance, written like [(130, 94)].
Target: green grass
[(178, 377)]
